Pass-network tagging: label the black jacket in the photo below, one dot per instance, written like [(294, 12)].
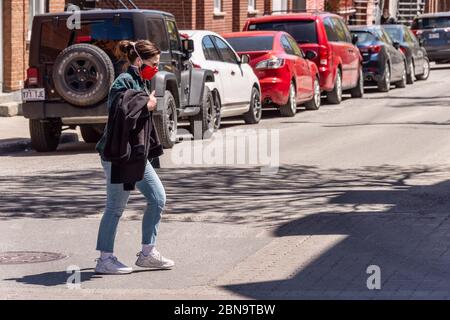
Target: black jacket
[(131, 138)]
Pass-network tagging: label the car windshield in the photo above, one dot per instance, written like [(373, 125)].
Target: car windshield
[(364, 36), (262, 43), (432, 22), (303, 31), (395, 33)]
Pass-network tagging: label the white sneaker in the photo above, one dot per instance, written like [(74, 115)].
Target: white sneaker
[(111, 266), (154, 261)]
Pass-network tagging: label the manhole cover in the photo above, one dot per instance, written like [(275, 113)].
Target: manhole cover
[(21, 257)]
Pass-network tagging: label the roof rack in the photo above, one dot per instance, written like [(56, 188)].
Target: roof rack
[(129, 2), (91, 4), (294, 11)]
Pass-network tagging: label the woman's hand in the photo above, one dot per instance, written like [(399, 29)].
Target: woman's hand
[(151, 104)]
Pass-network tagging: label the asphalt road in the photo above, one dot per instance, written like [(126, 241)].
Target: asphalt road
[(358, 184)]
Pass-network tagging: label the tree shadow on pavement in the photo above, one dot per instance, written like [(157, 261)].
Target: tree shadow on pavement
[(332, 223), (402, 228)]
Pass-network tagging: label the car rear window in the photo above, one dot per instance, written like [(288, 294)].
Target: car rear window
[(262, 43), (57, 37), (431, 22), (303, 31), (395, 33), (364, 36)]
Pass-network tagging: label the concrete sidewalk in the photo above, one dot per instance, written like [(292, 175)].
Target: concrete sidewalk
[(15, 135)]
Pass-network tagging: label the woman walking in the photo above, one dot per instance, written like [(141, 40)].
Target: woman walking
[(126, 153)]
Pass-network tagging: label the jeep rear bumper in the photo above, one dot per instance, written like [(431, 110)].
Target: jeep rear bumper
[(44, 110)]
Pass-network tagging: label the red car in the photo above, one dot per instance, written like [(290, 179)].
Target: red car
[(338, 59), (286, 75)]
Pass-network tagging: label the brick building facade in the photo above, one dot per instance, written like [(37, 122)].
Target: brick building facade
[(14, 25), (216, 15), (437, 5)]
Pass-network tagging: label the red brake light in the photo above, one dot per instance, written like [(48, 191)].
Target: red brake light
[(32, 76), (81, 39), (403, 50), (196, 66), (324, 55), (371, 49)]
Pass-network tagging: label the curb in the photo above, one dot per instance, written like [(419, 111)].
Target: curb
[(23, 144), (10, 109)]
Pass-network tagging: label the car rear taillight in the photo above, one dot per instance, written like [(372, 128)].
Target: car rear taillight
[(324, 55), (32, 76), (416, 32), (196, 66), (370, 49), (81, 39), (403, 50), (273, 63)]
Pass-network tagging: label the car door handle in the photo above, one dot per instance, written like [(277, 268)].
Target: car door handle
[(233, 73), (215, 71), (350, 50)]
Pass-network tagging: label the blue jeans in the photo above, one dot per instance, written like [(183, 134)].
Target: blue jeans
[(116, 200)]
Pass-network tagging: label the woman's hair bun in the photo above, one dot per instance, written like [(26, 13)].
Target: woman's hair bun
[(125, 46)]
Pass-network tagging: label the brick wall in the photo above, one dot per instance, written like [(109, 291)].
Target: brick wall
[(15, 31), (241, 13), (437, 5), (15, 18), (56, 5)]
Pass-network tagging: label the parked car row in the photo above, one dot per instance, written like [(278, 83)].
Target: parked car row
[(278, 61)]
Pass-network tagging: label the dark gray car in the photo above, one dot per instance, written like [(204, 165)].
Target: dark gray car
[(434, 30), (418, 64)]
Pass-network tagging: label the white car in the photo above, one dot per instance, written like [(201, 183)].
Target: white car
[(235, 89)]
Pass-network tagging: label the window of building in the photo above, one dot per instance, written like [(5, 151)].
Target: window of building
[(279, 6), (217, 6), (251, 5), (299, 5), (35, 7)]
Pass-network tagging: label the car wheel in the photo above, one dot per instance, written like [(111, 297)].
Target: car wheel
[(314, 103), (290, 108), (411, 75), (45, 134), (402, 82), (335, 96), (358, 91), (384, 85), (91, 133), (253, 115), (82, 74), (202, 124), (426, 70), (166, 121)]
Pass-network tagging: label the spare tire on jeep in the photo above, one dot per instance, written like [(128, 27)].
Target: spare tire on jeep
[(83, 74)]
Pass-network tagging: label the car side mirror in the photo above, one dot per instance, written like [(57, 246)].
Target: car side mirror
[(354, 38), (397, 45), (421, 42), (188, 45), (245, 59), (310, 55)]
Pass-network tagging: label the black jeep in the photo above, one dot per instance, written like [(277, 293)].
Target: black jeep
[(72, 67)]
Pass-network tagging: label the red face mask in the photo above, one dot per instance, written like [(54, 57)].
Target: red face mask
[(148, 72)]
